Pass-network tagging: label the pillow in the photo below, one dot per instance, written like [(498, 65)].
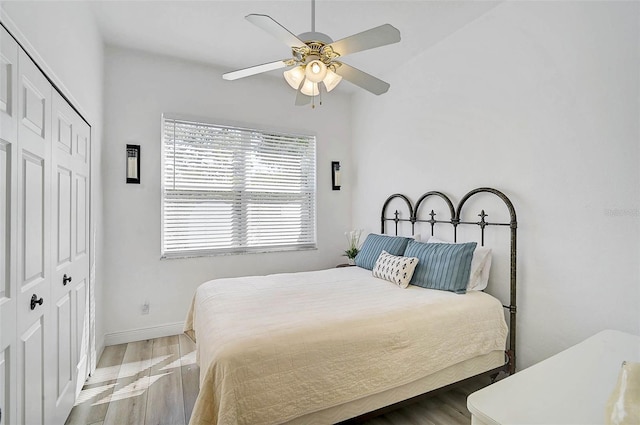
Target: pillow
[(375, 244), (442, 266), (420, 237), (395, 269), (481, 282), (480, 266)]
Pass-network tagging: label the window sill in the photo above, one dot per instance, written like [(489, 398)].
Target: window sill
[(197, 254)]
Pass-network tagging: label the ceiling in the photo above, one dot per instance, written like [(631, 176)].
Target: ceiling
[(216, 32)]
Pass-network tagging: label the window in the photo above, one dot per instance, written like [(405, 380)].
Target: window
[(233, 190)]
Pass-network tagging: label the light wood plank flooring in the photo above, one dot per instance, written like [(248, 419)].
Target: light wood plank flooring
[(156, 382)]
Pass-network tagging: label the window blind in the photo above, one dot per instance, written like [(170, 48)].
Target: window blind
[(231, 190)]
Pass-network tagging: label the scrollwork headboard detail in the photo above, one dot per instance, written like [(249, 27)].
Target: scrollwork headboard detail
[(455, 219)]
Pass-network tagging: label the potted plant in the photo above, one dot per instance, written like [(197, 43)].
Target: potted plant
[(353, 239)]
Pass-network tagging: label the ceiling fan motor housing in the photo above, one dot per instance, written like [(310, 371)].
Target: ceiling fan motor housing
[(315, 36)]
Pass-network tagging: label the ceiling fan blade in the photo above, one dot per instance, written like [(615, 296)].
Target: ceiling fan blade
[(257, 69), (374, 37), (302, 99), (362, 79), (271, 26)]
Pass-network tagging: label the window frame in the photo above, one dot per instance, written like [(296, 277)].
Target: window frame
[(238, 250)]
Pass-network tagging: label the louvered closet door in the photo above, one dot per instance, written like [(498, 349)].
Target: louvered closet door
[(68, 337), (8, 204), (34, 379)]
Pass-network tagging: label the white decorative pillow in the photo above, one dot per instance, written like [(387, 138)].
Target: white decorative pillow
[(395, 269), (480, 266)]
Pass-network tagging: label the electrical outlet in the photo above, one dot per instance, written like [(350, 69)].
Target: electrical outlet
[(145, 307)]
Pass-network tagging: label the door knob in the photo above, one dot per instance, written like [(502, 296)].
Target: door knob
[(66, 279), (35, 300)]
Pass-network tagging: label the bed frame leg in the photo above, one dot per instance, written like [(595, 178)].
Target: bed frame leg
[(511, 355)]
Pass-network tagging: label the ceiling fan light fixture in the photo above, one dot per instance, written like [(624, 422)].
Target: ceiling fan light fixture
[(294, 76), (310, 88), (331, 80), (315, 71)]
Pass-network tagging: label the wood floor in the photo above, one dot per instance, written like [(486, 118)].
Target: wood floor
[(156, 382)]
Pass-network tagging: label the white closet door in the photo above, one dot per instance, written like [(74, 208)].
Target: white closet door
[(70, 243), (80, 252), (60, 339), (34, 379), (8, 204)]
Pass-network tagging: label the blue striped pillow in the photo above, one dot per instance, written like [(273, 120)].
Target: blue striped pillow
[(375, 244), (441, 266)]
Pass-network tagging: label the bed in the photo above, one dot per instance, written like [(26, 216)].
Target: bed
[(329, 345)]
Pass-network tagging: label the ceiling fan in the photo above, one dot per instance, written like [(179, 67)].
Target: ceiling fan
[(314, 67)]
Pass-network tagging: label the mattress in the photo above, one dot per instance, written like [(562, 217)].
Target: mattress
[(275, 348)]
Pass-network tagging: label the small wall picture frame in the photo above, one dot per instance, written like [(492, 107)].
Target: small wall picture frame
[(133, 164)]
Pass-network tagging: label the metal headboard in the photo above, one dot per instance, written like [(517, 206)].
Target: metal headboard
[(455, 220)]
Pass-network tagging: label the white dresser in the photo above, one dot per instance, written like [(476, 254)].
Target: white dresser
[(571, 387)]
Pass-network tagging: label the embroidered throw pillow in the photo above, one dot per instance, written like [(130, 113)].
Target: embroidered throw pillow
[(398, 270)]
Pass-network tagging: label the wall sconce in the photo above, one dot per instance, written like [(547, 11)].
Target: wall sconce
[(133, 164), (335, 175)]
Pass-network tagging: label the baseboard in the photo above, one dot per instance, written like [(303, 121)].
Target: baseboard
[(143, 333)]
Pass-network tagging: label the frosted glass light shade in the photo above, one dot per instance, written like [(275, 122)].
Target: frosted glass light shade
[(315, 71), (310, 88), (331, 80), (294, 76)]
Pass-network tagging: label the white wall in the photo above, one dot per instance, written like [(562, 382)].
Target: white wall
[(540, 100), (63, 40), (139, 87)]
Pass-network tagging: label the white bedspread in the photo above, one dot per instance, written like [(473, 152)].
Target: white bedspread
[(272, 348)]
